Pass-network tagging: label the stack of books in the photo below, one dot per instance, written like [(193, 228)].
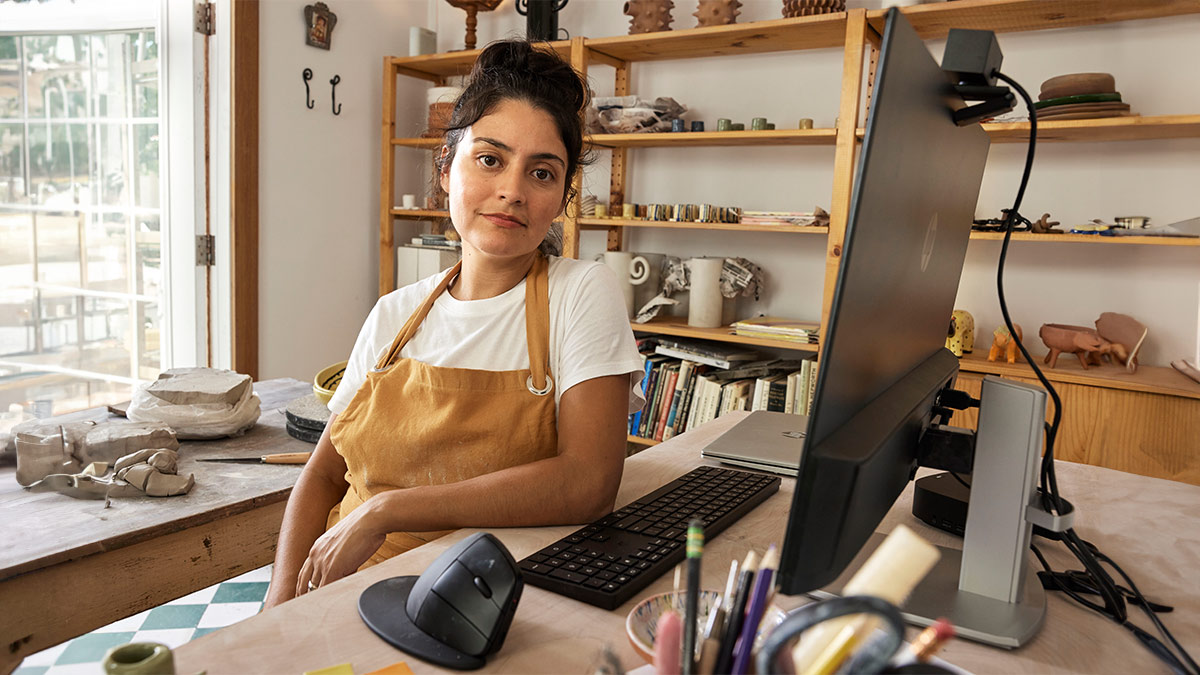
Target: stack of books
[(778, 328), (682, 393), (818, 218)]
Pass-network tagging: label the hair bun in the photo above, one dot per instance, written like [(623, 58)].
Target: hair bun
[(533, 68)]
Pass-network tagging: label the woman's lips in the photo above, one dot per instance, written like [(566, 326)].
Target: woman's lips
[(503, 221)]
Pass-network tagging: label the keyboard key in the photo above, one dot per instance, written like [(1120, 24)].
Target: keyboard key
[(568, 576), (534, 568)]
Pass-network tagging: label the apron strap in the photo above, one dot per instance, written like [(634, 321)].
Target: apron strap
[(414, 321), (537, 325)]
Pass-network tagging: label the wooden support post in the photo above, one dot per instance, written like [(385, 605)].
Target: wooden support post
[(387, 183)]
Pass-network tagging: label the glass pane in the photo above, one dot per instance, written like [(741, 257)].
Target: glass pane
[(58, 163), (16, 250), (148, 247), (17, 331), (108, 253), (12, 163), (144, 55), (112, 165), (56, 69), (150, 318), (58, 250), (58, 323), (10, 78), (111, 71), (146, 145)]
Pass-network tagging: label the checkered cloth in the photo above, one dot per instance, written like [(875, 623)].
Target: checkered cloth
[(172, 624)]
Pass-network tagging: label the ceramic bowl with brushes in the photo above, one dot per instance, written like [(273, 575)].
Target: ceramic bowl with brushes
[(641, 625)]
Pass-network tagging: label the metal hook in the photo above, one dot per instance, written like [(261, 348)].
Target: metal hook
[(307, 94), (337, 108)]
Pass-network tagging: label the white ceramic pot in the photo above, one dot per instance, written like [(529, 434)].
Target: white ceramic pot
[(631, 271), (705, 304)]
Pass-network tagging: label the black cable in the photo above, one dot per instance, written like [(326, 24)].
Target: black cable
[(1087, 554)]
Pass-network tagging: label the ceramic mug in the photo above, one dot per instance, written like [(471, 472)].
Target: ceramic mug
[(631, 271), (139, 658), (705, 304)]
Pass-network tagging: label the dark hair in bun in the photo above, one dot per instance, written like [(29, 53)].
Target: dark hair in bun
[(516, 69)]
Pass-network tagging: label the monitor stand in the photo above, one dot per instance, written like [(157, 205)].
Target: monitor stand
[(985, 589)]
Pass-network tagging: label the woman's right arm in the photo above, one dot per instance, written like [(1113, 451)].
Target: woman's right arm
[(321, 485)]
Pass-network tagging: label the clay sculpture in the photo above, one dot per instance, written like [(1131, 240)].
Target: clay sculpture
[(960, 337), (1125, 332), (648, 16), (1044, 225), (198, 402), (1003, 343), (1081, 341), (717, 12), (46, 447), (151, 471)]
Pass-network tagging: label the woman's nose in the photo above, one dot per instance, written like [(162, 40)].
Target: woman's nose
[(511, 187)]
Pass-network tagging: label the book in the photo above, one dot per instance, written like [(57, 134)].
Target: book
[(672, 376), (712, 354), (776, 388), (636, 418), (681, 385), (777, 327), (652, 393), (689, 394)]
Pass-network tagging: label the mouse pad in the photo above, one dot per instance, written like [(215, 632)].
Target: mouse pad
[(381, 606)]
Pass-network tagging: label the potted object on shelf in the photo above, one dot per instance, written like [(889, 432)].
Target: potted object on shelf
[(1003, 343)]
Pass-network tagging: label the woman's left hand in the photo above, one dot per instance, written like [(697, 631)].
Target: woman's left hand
[(340, 551)]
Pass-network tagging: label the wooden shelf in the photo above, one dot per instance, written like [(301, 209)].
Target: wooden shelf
[(1087, 239), (678, 327), (638, 440), (759, 37), (436, 67), (934, 21), (604, 223), (1148, 379), (424, 143), (694, 139), (1131, 128), (418, 214)]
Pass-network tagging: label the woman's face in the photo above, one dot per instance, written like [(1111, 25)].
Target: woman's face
[(506, 181)]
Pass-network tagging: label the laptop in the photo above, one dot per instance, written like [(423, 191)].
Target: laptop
[(765, 440)]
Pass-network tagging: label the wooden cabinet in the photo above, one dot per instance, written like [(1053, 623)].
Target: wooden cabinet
[(1130, 404)]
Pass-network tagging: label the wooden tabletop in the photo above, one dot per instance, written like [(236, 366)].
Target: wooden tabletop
[(1146, 524), (74, 565)]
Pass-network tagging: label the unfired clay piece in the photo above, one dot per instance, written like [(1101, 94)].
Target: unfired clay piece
[(1123, 330), (145, 472), (198, 402), (45, 447)]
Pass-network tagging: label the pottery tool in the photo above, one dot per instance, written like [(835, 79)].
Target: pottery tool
[(695, 549), (736, 614), (757, 606), (279, 458), (892, 571)]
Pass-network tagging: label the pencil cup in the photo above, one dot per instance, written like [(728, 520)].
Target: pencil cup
[(705, 302), (139, 658), (641, 624)]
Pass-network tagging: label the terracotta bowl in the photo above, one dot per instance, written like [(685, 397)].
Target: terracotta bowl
[(641, 625)]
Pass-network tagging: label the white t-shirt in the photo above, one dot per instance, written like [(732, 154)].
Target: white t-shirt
[(589, 331)]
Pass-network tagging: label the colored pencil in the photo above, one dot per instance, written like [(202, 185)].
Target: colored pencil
[(763, 583), (695, 549), (737, 612)]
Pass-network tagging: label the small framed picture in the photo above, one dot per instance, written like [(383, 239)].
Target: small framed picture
[(318, 25)]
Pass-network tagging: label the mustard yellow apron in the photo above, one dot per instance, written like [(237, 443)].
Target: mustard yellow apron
[(413, 424)]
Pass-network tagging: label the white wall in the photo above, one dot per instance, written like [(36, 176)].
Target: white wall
[(1045, 282), (319, 177)]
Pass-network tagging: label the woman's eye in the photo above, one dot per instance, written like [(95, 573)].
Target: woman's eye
[(488, 160), (543, 174)]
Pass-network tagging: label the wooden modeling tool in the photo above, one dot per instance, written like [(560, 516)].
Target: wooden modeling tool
[(279, 458)]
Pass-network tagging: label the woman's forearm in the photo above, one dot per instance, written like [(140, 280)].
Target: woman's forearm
[(318, 489)]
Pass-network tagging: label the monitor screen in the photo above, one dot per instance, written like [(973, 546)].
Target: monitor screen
[(884, 359)]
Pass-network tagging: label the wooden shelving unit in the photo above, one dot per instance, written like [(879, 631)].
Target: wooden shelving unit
[(1147, 379), (856, 32), (678, 327)]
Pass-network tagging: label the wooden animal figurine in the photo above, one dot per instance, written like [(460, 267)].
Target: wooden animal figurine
[(649, 16), (1044, 225), (1077, 340), (960, 337), (717, 12), (1003, 343)]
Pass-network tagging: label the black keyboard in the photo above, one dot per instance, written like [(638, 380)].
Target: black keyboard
[(607, 562)]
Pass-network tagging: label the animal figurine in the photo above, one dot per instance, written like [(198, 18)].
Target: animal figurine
[(1044, 225), (1124, 332), (1078, 340), (1003, 343), (960, 337)]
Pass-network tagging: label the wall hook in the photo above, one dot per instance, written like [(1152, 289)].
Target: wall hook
[(307, 94), (337, 108)]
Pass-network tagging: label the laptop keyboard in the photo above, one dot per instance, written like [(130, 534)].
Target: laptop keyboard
[(609, 561)]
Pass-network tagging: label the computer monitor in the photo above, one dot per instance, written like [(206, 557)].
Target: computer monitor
[(883, 359)]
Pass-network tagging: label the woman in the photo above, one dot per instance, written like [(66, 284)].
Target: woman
[(493, 395)]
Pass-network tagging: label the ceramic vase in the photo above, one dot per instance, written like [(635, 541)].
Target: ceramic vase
[(653, 285), (706, 304), (631, 271)]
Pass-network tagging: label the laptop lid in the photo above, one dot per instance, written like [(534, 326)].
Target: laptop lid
[(764, 440)]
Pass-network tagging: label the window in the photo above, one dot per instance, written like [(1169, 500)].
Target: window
[(82, 287)]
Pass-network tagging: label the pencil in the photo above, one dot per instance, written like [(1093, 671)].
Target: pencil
[(706, 660), (763, 582), (695, 548), (736, 613)]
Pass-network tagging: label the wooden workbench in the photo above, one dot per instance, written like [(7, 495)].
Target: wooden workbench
[(69, 566)]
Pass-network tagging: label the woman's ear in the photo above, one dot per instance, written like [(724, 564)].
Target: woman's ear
[(444, 172)]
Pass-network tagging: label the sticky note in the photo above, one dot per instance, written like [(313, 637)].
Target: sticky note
[(400, 668), (340, 669)]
